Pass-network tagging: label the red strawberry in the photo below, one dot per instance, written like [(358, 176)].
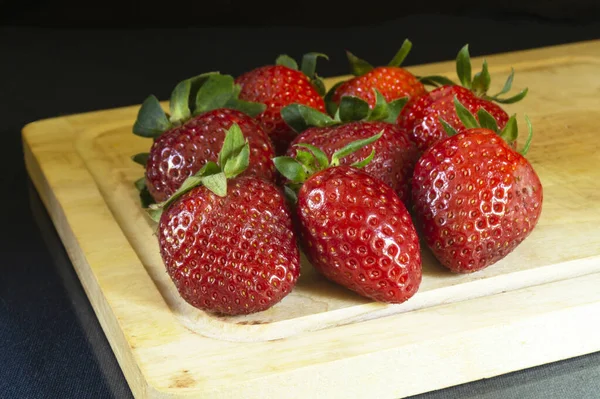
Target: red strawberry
[(421, 118), (476, 197), (227, 241), (354, 229), (191, 138), (392, 81), (280, 85), (394, 155)]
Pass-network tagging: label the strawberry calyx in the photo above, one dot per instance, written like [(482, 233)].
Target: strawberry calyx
[(308, 67), (234, 158), (479, 83), (485, 120), (360, 67), (306, 163), (189, 98), (300, 117)]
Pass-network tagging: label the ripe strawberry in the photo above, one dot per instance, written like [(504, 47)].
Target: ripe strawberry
[(227, 240), (421, 118), (475, 197), (392, 81), (192, 137), (393, 156), (280, 85), (354, 229)]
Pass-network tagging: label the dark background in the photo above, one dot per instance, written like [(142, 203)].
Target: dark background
[(65, 57)]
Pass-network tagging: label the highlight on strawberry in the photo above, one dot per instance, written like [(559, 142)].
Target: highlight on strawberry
[(201, 109), (279, 85), (354, 229), (394, 154), (226, 238), (391, 80), (420, 118), (476, 197)]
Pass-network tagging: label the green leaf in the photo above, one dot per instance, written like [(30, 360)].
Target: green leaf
[(286, 61), (214, 93), (529, 136), (251, 109), (151, 119), (486, 120), (188, 184), (465, 116), (209, 168), (238, 163), (320, 156), (337, 115), (357, 66), (309, 63), (290, 168), (155, 213), (145, 197), (181, 97), (232, 144), (481, 81), (394, 109), (141, 158), (216, 183), (380, 111), (511, 130), (463, 66), (436, 80), (352, 148), (290, 194), (140, 183), (447, 127), (306, 158), (330, 105), (401, 54), (507, 84), (353, 109), (361, 164), (319, 86), (510, 100), (300, 117)]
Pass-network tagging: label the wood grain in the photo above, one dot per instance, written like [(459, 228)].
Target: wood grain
[(81, 166)]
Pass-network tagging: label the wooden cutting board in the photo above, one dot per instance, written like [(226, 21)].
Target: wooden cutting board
[(537, 305)]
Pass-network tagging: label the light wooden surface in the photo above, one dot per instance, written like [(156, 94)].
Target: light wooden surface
[(540, 304)]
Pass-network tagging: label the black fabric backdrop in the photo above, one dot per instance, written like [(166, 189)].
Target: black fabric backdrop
[(56, 62)]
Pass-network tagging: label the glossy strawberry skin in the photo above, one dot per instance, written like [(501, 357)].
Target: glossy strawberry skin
[(231, 255), (357, 233), (476, 199), (395, 155), (392, 82), (421, 118), (182, 151), (278, 86)]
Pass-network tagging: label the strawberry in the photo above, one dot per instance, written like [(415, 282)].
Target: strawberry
[(392, 157), (354, 228), (421, 118), (192, 136), (476, 198), (226, 239), (280, 85), (392, 81)]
